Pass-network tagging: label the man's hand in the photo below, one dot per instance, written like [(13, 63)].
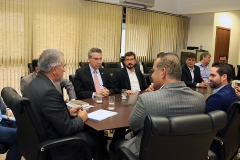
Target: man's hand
[(9, 113), (130, 92), (74, 111), (203, 84), (83, 114), (150, 88), (105, 92)]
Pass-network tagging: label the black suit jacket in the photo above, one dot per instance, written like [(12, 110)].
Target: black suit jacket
[(84, 84), (54, 114), (120, 80), (187, 78)]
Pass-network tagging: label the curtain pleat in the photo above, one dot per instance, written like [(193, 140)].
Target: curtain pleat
[(148, 33), (30, 26)]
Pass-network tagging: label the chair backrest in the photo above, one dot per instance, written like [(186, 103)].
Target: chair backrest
[(230, 133), (112, 66), (81, 64), (3, 148), (30, 67), (180, 137), (71, 77), (30, 131), (147, 66)]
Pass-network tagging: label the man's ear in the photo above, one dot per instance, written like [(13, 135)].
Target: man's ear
[(224, 76)]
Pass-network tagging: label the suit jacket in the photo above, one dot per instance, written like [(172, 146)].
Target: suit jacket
[(120, 80), (84, 84), (187, 77), (54, 113), (64, 83), (221, 100), (172, 99)]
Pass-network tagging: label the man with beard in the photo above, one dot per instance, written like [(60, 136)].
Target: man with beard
[(129, 78), (205, 59), (223, 95)]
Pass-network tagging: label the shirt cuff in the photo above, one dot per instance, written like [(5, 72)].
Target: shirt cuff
[(93, 95), (197, 85)]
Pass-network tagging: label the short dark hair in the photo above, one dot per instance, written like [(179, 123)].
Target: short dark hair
[(204, 54), (191, 55), (223, 55), (129, 54), (34, 63), (223, 68)]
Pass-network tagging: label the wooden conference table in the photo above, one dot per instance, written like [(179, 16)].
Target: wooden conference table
[(124, 109)]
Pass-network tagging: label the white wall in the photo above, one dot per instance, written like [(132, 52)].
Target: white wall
[(206, 6), (203, 32), (230, 20)]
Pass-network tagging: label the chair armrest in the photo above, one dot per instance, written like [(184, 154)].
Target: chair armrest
[(211, 155), (218, 140), (126, 154), (44, 146)]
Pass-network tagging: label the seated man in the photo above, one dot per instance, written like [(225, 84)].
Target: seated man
[(224, 58), (223, 95), (171, 97), (8, 132), (92, 78), (191, 73), (59, 121), (205, 59), (129, 78), (63, 83)]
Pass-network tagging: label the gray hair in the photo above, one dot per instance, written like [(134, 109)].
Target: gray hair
[(48, 59), (98, 50), (171, 63), (204, 54)]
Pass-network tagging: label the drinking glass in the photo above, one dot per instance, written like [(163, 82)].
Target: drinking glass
[(111, 103), (98, 97), (124, 94)]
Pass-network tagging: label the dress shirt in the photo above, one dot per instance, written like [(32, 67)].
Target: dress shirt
[(99, 78), (192, 74), (216, 90), (133, 80), (205, 71)]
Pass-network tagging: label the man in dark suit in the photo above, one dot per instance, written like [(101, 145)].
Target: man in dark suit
[(89, 78), (223, 95), (191, 73), (129, 78), (59, 121), (224, 58)]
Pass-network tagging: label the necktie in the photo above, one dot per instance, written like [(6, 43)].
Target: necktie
[(96, 82)]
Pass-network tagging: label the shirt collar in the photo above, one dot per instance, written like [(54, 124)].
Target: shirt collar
[(92, 70), (129, 70), (216, 90), (191, 68)]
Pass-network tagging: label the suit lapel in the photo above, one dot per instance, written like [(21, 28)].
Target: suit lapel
[(125, 74), (138, 77), (102, 75), (89, 75), (188, 72)]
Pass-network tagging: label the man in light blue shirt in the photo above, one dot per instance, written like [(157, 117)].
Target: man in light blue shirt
[(205, 59)]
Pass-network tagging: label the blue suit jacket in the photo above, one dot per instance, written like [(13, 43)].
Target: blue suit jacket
[(221, 100)]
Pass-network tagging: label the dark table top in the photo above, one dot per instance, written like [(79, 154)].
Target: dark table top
[(124, 109)]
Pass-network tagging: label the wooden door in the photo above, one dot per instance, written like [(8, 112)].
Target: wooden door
[(222, 42)]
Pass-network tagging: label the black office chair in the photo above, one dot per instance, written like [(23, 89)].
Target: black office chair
[(228, 138), (71, 77), (30, 67), (112, 66), (181, 137), (238, 72), (147, 66), (31, 136), (81, 64)]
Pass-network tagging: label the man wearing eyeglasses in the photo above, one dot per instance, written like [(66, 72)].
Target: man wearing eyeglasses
[(129, 78)]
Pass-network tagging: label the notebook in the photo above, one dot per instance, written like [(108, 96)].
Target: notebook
[(100, 115)]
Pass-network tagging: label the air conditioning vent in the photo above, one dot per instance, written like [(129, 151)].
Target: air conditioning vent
[(147, 3)]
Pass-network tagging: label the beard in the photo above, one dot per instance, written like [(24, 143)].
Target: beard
[(130, 66), (215, 84)]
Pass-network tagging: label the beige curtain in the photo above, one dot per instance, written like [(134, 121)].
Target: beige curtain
[(73, 26), (148, 33)]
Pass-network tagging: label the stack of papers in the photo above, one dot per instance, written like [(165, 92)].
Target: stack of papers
[(75, 103), (100, 115)]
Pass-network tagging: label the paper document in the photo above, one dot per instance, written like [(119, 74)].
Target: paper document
[(100, 115), (79, 103), (9, 119)]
